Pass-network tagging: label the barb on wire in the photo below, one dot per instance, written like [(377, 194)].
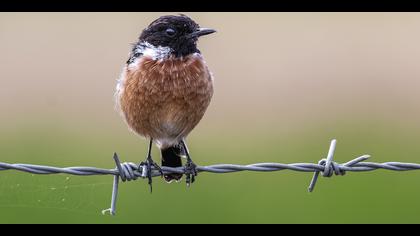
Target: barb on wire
[(129, 171)]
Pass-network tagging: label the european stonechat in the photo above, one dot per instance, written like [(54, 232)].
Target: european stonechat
[(165, 89)]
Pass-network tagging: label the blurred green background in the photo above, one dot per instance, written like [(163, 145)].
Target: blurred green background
[(285, 85)]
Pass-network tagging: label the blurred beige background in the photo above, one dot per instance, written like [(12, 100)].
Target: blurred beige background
[(270, 68)]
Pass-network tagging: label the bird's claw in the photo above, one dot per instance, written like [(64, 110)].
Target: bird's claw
[(190, 172), (148, 169)]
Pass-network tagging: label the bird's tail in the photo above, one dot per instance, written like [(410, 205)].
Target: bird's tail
[(171, 157)]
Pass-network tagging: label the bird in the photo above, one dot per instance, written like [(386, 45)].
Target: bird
[(164, 91)]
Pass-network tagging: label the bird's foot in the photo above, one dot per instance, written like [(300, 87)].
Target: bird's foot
[(190, 172), (146, 166)]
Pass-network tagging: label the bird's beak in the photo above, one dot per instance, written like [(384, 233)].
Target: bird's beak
[(201, 32)]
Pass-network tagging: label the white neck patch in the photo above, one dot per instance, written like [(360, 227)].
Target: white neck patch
[(156, 53)]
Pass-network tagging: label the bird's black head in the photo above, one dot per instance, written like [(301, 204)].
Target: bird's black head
[(180, 33)]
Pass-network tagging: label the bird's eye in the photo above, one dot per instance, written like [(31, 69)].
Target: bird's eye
[(170, 32)]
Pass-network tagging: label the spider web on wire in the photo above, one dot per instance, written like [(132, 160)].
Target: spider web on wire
[(59, 192)]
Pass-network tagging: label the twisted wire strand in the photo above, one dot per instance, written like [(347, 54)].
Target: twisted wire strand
[(129, 171)]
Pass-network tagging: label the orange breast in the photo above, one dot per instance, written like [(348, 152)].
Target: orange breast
[(165, 99)]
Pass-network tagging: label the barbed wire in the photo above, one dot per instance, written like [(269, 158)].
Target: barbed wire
[(129, 171)]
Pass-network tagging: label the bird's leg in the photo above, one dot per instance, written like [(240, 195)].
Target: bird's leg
[(190, 167), (148, 163)]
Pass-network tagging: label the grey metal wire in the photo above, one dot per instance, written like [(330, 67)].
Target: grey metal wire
[(129, 171)]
